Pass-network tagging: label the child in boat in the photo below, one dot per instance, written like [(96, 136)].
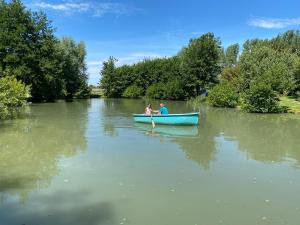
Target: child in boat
[(148, 110)]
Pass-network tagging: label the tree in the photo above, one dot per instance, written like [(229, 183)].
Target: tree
[(109, 78), (72, 57), (27, 50), (230, 56), (278, 68), (199, 64), (223, 95), (260, 98)]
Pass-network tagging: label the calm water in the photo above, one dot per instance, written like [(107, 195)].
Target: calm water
[(88, 163)]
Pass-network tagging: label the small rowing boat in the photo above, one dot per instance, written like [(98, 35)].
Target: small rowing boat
[(170, 119)]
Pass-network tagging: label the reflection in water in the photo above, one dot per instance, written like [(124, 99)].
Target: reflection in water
[(131, 172), (266, 138), (61, 211), (31, 147)]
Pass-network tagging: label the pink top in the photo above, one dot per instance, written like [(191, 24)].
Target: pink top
[(148, 111)]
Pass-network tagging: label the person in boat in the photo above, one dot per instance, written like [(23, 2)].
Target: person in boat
[(148, 110), (163, 109)]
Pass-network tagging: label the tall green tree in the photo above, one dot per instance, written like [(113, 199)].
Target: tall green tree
[(109, 77), (73, 67), (199, 64), (27, 50), (230, 55), (264, 64)]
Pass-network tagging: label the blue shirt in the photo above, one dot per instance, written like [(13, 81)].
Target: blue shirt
[(163, 110)]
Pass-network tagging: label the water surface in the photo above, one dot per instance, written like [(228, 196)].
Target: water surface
[(88, 163)]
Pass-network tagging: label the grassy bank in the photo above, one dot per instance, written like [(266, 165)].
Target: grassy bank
[(291, 103), (97, 93)]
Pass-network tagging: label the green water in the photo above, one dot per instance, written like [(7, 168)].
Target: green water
[(88, 163)]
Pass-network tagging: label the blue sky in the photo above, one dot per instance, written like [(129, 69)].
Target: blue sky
[(131, 30)]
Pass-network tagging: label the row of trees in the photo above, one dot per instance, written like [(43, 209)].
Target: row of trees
[(265, 70), (194, 69), (252, 78), (52, 68)]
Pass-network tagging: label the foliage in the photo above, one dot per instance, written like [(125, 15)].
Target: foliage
[(260, 98), (108, 78), (278, 68), (173, 90), (133, 91), (199, 64), (83, 91), (232, 75), (223, 95), (28, 51), (31, 53), (96, 92), (115, 80), (291, 103), (156, 91), (229, 57), (74, 75), (13, 95)]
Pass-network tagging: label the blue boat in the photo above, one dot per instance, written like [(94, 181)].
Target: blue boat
[(170, 119)]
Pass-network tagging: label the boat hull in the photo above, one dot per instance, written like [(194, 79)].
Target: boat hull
[(169, 119)]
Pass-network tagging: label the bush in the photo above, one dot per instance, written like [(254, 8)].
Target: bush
[(13, 95), (84, 92), (156, 91), (174, 90), (171, 90), (260, 98), (223, 95), (133, 92)]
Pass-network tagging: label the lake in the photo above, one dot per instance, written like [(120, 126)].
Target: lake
[(87, 163)]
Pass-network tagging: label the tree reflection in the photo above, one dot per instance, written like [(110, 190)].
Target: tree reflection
[(267, 138), (32, 147), (201, 149)]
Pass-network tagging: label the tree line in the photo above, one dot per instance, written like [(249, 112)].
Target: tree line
[(252, 78)]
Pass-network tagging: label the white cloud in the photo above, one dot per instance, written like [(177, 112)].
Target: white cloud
[(274, 23), (95, 8), (66, 7), (136, 57), (94, 63)]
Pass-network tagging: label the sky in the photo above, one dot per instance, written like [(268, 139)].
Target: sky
[(131, 30)]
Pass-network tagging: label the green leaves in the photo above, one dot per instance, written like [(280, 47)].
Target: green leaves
[(223, 95), (199, 63), (260, 98), (133, 91), (13, 95), (30, 52)]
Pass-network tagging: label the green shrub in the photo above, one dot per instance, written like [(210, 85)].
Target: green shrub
[(156, 91), (13, 95), (260, 98), (133, 92), (84, 92), (173, 90), (223, 95)]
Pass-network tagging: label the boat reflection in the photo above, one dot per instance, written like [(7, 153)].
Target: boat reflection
[(166, 130)]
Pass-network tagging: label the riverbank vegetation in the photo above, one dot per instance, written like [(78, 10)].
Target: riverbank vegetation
[(31, 54), (253, 78), (13, 95)]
